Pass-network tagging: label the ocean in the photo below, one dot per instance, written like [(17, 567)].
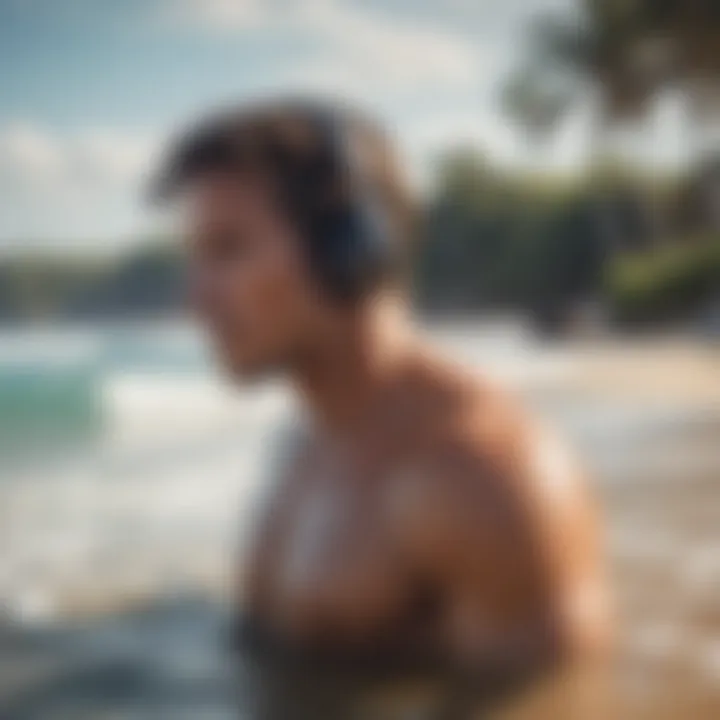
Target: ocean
[(127, 468)]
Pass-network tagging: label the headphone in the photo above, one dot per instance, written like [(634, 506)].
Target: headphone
[(344, 227), (349, 242)]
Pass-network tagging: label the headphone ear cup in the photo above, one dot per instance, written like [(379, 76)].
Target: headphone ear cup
[(354, 253)]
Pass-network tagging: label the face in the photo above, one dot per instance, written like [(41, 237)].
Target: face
[(250, 283)]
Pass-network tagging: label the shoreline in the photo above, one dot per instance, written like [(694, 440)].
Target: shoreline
[(622, 395)]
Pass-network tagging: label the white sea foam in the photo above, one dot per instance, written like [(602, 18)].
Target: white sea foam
[(181, 452)]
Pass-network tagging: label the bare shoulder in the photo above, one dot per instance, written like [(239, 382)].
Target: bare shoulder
[(499, 502), (478, 442)]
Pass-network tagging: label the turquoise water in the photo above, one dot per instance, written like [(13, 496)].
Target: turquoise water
[(43, 407), (53, 382)]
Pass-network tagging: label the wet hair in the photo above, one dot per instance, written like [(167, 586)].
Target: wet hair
[(333, 171)]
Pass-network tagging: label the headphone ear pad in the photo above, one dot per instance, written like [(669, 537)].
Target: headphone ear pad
[(354, 252)]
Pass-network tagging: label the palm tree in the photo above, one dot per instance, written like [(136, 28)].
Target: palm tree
[(534, 105), (621, 54), (604, 50), (628, 51)]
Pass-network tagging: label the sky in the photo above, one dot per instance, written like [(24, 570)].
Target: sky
[(90, 91)]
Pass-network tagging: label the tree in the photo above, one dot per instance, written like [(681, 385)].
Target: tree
[(533, 104), (628, 51), (621, 55)]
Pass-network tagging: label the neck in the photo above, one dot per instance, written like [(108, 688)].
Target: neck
[(343, 380)]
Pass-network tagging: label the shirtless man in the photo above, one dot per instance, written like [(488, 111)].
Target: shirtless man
[(421, 514)]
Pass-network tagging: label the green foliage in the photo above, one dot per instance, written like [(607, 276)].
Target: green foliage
[(534, 101), (671, 283), (37, 288), (493, 239), (40, 288), (501, 240), (629, 51)]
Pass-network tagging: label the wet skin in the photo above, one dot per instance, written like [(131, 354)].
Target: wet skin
[(450, 524), (422, 513)]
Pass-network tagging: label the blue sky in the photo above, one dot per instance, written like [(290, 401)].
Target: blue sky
[(89, 89)]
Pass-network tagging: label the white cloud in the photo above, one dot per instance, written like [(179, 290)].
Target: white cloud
[(29, 153), (32, 153), (346, 43), (216, 14), (116, 155), (62, 185), (404, 52)]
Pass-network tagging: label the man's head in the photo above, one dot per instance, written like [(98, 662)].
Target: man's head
[(296, 219)]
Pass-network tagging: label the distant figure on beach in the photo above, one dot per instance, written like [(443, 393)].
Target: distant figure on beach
[(422, 524)]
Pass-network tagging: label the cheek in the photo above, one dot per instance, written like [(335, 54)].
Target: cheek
[(273, 299), (276, 296)]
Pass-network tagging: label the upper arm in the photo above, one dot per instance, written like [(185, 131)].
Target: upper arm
[(507, 535)]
